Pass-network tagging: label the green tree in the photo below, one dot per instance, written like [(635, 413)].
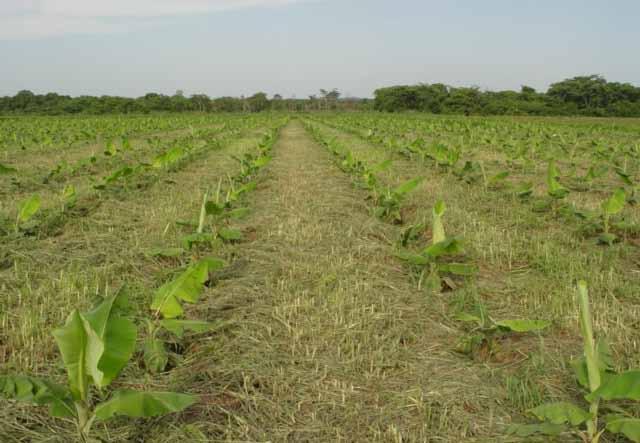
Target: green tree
[(258, 102)]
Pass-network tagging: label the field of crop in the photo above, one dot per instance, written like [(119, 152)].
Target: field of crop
[(319, 277)]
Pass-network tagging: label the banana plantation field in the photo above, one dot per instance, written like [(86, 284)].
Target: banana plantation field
[(344, 277)]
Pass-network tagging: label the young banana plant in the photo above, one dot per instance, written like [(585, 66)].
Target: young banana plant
[(497, 181), (611, 206), (471, 172), (220, 211), (389, 200), (167, 310), (95, 346), (600, 221), (27, 210), (483, 337), (120, 174), (69, 198), (435, 260), (368, 176), (442, 155), (110, 149), (523, 190), (169, 158), (554, 188), (595, 375)]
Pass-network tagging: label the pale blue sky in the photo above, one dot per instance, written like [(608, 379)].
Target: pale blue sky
[(234, 47)]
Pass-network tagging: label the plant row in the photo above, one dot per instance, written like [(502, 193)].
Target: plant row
[(54, 133), (126, 178), (605, 391), (96, 345), (608, 223)]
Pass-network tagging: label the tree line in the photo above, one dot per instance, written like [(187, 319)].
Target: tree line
[(26, 102), (590, 95)]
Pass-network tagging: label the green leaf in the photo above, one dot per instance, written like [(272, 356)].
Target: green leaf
[(120, 343), (95, 346), (591, 354), (498, 178), (155, 355), (411, 233), (596, 171), (407, 187), (552, 170), (414, 259), (470, 344), (125, 171), (615, 203), (523, 325), (39, 392), (238, 213), (462, 269), (7, 169), (561, 413), (524, 190), (468, 318), (605, 363), (110, 149), (167, 252), (186, 287), (168, 158), (629, 427), (234, 195), (607, 238), (542, 428), (556, 190), (438, 228), (189, 240), (69, 195), (381, 166), (178, 327), (213, 263), (29, 208), (214, 208), (624, 176), (262, 161), (229, 234), (143, 404), (72, 342), (449, 246), (623, 386)]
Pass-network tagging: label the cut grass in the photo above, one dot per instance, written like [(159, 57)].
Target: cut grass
[(331, 340), (324, 334), (105, 249), (528, 265)]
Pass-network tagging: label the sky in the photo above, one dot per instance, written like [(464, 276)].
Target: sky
[(296, 47)]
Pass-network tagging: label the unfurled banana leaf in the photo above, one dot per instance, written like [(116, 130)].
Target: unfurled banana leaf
[(29, 208), (143, 404), (187, 287), (95, 346), (561, 413), (39, 392)]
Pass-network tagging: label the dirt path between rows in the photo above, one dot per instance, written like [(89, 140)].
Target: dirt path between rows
[(333, 341)]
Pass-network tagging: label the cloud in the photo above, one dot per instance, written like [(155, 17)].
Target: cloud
[(29, 19)]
